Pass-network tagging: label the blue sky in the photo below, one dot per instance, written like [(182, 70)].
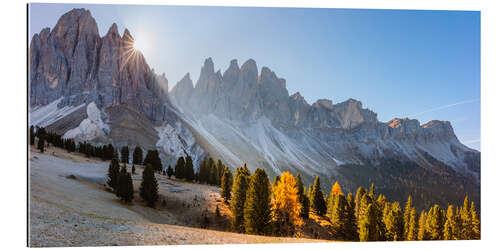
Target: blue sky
[(421, 64)]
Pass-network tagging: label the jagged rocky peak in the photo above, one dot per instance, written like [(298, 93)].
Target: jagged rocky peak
[(403, 122), (325, 103), (249, 72), (436, 127), (231, 75)]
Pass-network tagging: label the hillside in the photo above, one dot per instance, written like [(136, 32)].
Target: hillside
[(69, 206)]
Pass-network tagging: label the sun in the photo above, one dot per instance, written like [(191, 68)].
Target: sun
[(140, 44)]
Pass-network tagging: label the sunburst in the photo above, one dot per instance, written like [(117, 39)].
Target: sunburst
[(129, 52)]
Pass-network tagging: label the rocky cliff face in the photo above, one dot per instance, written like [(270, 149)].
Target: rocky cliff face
[(74, 62), (71, 67), (244, 110)]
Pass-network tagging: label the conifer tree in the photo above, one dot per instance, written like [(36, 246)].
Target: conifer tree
[(137, 155), (170, 171), (475, 224), (465, 219), (450, 229), (406, 215), (318, 204), (434, 223), (353, 228), (394, 223), (412, 233), (422, 232), (153, 158), (359, 194), (189, 169), (133, 169), (303, 199), (125, 186), (32, 135), (125, 154), (179, 168), (226, 183), (341, 225), (149, 186), (257, 211), (286, 205), (368, 225), (240, 187), (41, 143), (113, 173), (336, 190)]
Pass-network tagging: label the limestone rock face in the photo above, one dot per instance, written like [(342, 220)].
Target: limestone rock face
[(286, 132), (74, 62)]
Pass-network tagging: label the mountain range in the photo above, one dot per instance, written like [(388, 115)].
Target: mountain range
[(100, 89)]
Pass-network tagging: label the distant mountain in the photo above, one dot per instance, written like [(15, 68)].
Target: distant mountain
[(248, 116), (100, 89)]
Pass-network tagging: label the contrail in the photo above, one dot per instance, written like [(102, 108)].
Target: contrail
[(445, 107)]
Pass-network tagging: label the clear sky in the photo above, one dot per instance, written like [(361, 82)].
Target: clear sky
[(420, 64)]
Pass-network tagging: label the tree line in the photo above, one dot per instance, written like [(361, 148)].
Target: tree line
[(259, 207)]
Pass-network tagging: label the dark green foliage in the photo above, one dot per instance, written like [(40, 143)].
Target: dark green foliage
[(170, 171), (125, 154), (32, 135), (340, 217), (153, 158), (240, 187), (189, 169), (113, 174), (257, 211), (368, 225), (179, 168), (41, 143), (137, 155), (125, 189), (149, 186), (303, 199), (133, 169), (353, 230), (318, 204), (226, 184)]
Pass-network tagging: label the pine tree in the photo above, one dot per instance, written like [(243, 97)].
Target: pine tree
[(125, 186), (318, 204), (149, 186), (336, 190), (125, 154), (466, 222), (179, 168), (476, 227), (450, 229), (422, 232), (137, 155), (341, 224), (113, 173), (412, 233), (226, 183), (170, 171), (434, 223), (406, 215), (240, 187), (189, 169), (359, 194), (133, 169), (394, 223), (32, 135), (41, 143), (352, 227), (303, 199), (153, 158), (257, 211), (368, 225), (286, 205)]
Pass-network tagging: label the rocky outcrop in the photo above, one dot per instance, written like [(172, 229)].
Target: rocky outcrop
[(74, 62)]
